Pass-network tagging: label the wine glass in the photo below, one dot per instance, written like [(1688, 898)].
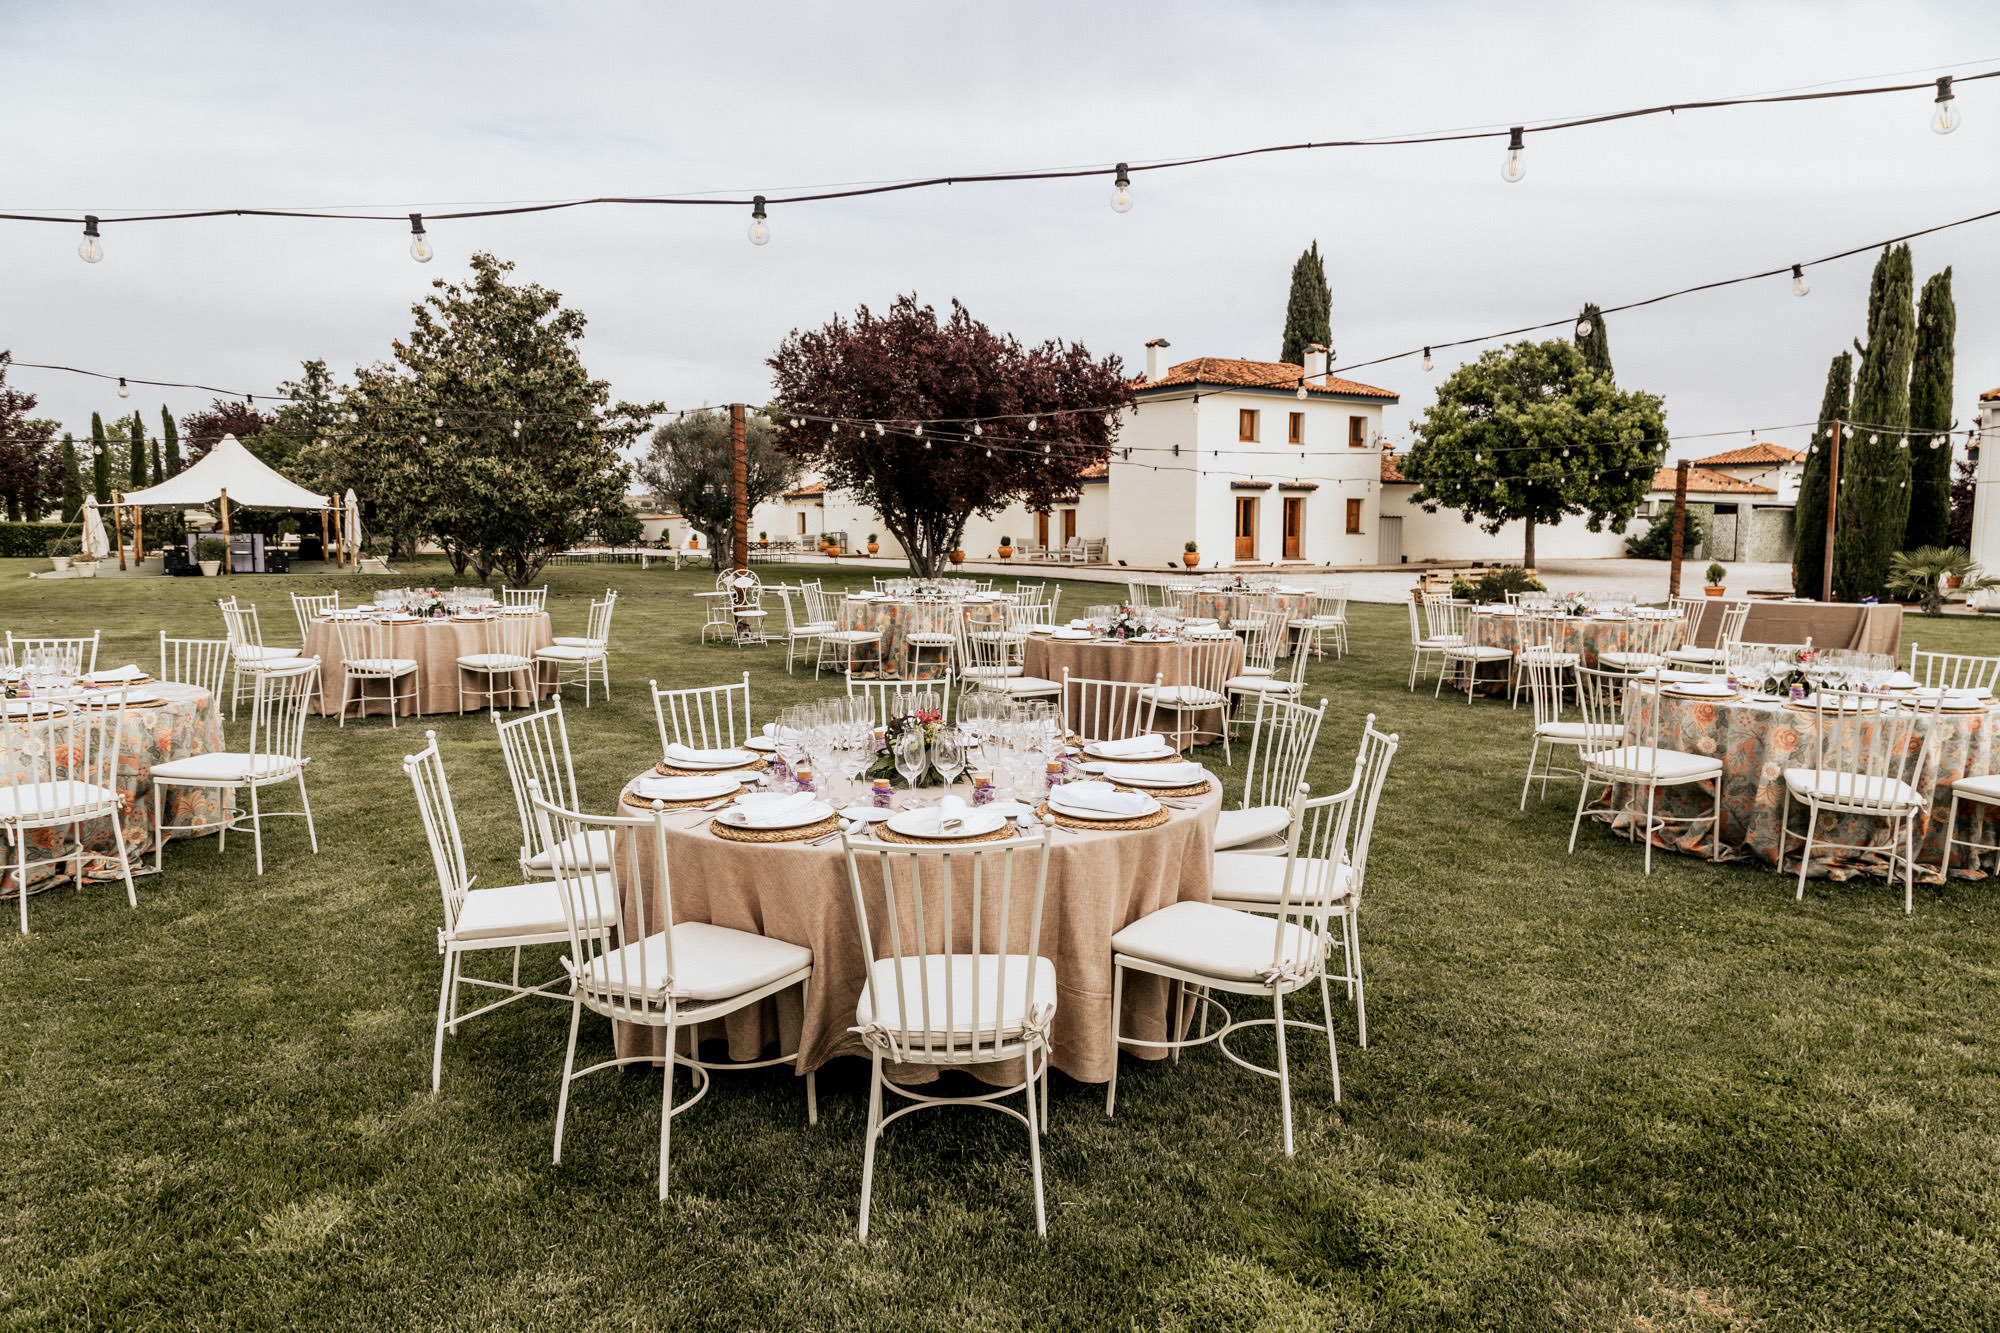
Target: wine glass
[(948, 756), (911, 756)]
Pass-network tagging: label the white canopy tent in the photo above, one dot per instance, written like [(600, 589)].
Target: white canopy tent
[(232, 474)]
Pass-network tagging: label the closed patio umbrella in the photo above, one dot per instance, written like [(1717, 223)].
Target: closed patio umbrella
[(354, 526), (96, 543)]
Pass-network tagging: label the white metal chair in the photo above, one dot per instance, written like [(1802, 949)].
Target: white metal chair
[(837, 647), (1209, 947), (536, 750), (985, 659), (710, 717), (716, 619), (75, 656), (1687, 654), (1953, 671), (1328, 619), (535, 597), (1272, 683), (202, 663), (798, 633), (308, 609), (367, 652), (512, 916), (893, 698), (1645, 764), (1201, 666), (1462, 653), (582, 657), (933, 630), (654, 971), (507, 654), (1649, 640), (745, 606), (1281, 749), (275, 754), (249, 656), (1107, 710), (954, 977), (1867, 760), (1983, 793), (1335, 863), (1423, 647), (1543, 637), (59, 770), (1550, 678)]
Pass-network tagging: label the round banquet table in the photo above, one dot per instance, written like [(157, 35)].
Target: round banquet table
[(1099, 883), (1758, 738), (1587, 635), (891, 618), (1120, 659), (185, 723), (1224, 607), (435, 646)]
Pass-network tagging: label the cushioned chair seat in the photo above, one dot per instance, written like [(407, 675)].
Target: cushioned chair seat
[(1986, 787), (1182, 696), (1477, 652), (929, 640), (380, 666), (963, 1022), (577, 641), (1237, 828), (224, 767), (590, 850), (35, 800), (1439, 644), (1240, 878), (814, 627), (494, 662), (853, 636), (1556, 656), (250, 652), (1012, 683), (1698, 656), (1579, 733), (564, 652), (715, 963), (1629, 661), (531, 909), (1642, 761), (1218, 941), (1261, 685), (1832, 787)]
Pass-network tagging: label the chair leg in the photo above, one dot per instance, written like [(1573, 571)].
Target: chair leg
[(1715, 825), (124, 862), (1909, 864), (1533, 755), (256, 828), (160, 824), (437, 1043), (1035, 1149), (1284, 1069), (1581, 796), (666, 1110), (1117, 1000), (1652, 792), (1359, 986), (312, 834), (21, 874), (868, 1145), (812, 1084), (569, 1064), (1332, 1051), (1950, 828), (1805, 853)]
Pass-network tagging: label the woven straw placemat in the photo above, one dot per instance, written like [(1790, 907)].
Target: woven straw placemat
[(1195, 789), (665, 771), (1162, 759), (1154, 820), (638, 802), (883, 833), (1672, 693), (804, 833)]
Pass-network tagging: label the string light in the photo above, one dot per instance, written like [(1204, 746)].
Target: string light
[(420, 244), (760, 225), (1514, 168), (1427, 358), (1799, 279), (1945, 119), (123, 392), (1583, 326), (978, 429), (1034, 423), (879, 429), (91, 248), (1121, 194), (920, 430)]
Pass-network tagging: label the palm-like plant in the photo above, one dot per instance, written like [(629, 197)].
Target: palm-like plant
[(1922, 573)]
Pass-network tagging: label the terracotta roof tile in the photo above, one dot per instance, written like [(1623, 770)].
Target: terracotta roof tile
[(812, 490), (1703, 482), (1235, 373), (1760, 452), (1989, 395), (1392, 468)]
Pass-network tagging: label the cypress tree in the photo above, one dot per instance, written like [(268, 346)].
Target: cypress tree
[(72, 487), (1309, 309), (158, 476), (1875, 472), (171, 441), (1809, 517), (138, 453), (100, 460), (1930, 417), (1595, 345)]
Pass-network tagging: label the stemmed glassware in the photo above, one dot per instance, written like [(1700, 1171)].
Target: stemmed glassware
[(948, 755), (911, 755)]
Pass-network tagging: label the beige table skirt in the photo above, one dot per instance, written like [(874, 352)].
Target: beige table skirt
[(1109, 659), (1098, 884), (435, 646), (1854, 625)]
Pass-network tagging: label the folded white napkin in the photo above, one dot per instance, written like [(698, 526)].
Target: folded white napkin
[(687, 754), (1902, 680), (1080, 623), (1101, 798), (950, 812), (1149, 743), (653, 787), (1178, 775), (772, 809), (119, 674)]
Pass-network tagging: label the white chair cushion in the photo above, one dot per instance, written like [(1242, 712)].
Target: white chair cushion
[(250, 652), (224, 767), (578, 641), (566, 652), (1439, 644), (1697, 656), (1556, 656), (1220, 942), (1985, 787), (1643, 761), (715, 963), (1476, 652), (1243, 878), (1012, 684), (1236, 828), (965, 968), (1182, 696), (1261, 685), (1628, 661), (929, 640), (380, 666), (590, 849), (1832, 787), (1257, 671), (34, 799), (854, 636), (532, 909), (494, 662), (816, 627), (1579, 733)]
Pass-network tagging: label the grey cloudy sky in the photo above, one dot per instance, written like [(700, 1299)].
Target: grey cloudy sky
[(116, 106)]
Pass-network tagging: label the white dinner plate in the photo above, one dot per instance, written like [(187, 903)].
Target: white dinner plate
[(867, 813), (1136, 775), (103, 698), (1058, 804), (1096, 751), (741, 758), (34, 707), (1699, 690), (810, 813), (655, 788), (924, 823), (1074, 634), (761, 744)]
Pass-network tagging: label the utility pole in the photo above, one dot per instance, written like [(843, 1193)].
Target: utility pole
[(1680, 527), (1832, 513)]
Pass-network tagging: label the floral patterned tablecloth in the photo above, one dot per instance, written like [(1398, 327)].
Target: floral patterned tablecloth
[(1757, 741), (186, 723), (1224, 607), (1588, 635), (892, 618)]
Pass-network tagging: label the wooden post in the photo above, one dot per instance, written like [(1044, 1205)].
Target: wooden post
[(1832, 512), (138, 535), (118, 526), (325, 547), (1680, 528), (739, 485), (227, 562)]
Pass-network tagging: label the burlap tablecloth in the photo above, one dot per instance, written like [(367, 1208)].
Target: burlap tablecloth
[(435, 646), (1861, 626), (1114, 659), (891, 618), (1098, 884)]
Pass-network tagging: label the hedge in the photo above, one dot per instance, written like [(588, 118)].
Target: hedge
[(29, 539)]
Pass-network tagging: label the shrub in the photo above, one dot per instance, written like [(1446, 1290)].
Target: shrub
[(1657, 542), (211, 548), (29, 539), (1494, 587), (1715, 575)]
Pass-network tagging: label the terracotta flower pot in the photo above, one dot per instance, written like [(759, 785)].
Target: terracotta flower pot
[(958, 557), (1190, 558), (1006, 553), (873, 547), (1713, 591)]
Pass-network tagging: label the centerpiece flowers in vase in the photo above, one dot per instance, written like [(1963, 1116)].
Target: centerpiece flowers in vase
[(1126, 624), (882, 764), (430, 604)]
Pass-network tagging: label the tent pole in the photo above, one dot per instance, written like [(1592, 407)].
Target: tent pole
[(117, 526), (138, 535), (227, 553), (322, 535)]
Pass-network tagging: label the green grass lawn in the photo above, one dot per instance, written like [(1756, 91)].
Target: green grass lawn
[(1593, 1099)]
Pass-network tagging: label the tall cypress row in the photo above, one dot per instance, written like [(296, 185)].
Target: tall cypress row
[(1930, 416), (158, 476), (1809, 517), (100, 460), (170, 444), (138, 453), (1309, 308), (72, 487), (1595, 345), (1875, 470)]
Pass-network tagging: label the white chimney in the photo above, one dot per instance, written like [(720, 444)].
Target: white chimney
[(1156, 358), (1315, 361)]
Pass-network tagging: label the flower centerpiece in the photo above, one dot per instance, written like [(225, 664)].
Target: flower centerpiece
[(428, 603), (1574, 605), (883, 762), (1798, 666), (1236, 583), (1125, 624)]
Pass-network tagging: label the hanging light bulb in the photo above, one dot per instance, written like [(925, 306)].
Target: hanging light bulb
[(978, 429), (91, 248), (1799, 284), (1034, 423), (1514, 168), (760, 225), (920, 431), (1582, 326), (1121, 193), (879, 429), (927, 444), (1945, 119), (1937, 440), (123, 392), (420, 244), (1427, 358), (1302, 388), (1194, 405)]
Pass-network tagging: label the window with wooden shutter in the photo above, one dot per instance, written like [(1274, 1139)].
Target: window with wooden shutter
[(1246, 424), (1354, 516), (1357, 432), (1297, 433)]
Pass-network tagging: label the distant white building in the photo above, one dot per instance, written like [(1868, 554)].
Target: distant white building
[(1986, 478)]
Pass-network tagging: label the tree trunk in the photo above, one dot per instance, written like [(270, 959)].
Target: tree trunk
[(1528, 546)]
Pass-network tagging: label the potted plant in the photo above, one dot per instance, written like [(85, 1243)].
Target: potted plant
[(1006, 548), (1716, 574), (1925, 574), (873, 545), (694, 542), (209, 553), (65, 549), (958, 557), (763, 541), (1190, 555)]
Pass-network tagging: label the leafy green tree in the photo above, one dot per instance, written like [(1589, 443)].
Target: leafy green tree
[(690, 468), (1530, 433), (1875, 463), (311, 417), (100, 460), (1595, 345), (1308, 309), (26, 449), (1930, 416), (158, 475), (72, 485), (1809, 516), (170, 441)]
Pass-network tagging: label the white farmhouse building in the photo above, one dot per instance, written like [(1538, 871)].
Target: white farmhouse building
[(1986, 478)]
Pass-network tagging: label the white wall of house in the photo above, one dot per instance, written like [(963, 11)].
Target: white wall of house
[(1446, 535), (1780, 477), (1151, 501), (1986, 490)]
